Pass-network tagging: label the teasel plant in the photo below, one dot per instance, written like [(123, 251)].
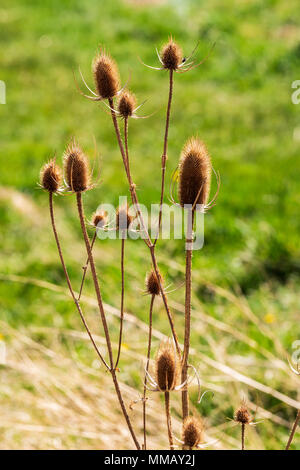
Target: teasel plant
[(77, 176), (295, 370), (107, 85)]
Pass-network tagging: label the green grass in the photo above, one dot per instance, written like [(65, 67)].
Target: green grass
[(238, 102)]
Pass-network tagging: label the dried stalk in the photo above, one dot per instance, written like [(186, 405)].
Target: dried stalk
[(103, 318), (85, 267), (243, 435), (293, 430), (168, 416), (122, 301), (147, 369)]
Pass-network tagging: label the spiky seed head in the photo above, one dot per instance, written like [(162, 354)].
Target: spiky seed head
[(192, 432), (127, 104), (123, 218), (167, 367), (194, 173), (50, 177), (152, 284), (171, 55), (76, 168), (106, 75), (242, 415), (99, 219)]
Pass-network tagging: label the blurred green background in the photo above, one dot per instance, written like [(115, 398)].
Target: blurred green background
[(246, 278)]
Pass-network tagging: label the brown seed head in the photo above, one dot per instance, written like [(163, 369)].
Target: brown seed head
[(242, 415), (106, 75), (194, 173), (76, 169), (50, 177), (192, 432), (171, 55), (123, 218), (127, 104), (152, 284), (99, 219), (167, 367)]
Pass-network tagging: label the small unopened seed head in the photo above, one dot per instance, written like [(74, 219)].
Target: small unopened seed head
[(76, 169), (123, 218), (242, 415), (99, 219), (127, 104), (167, 367), (171, 55), (152, 284), (192, 432), (194, 173), (50, 177), (106, 76)]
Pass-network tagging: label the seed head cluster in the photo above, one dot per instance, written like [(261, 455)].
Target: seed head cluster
[(192, 432), (167, 367), (106, 76), (51, 177), (152, 284), (123, 218), (126, 104), (194, 173), (99, 219), (242, 415), (171, 55), (76, 169)]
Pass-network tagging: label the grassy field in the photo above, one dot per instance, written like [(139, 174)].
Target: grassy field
[(246, 278)]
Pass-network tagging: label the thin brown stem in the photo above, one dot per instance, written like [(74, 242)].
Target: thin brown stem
[(103, 318), (243, 436), (134, 198), (164, 155), (169, 421), (69, 281), (86, 266), (187, 325), (293, 430), (122, 301), (147, 368)]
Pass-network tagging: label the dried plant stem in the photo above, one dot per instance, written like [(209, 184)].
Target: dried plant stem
[(243, 435), (103, 318), (86, 266), (134, 198), (187, 326), (164, 155), (147, 368), (168, 416), (69, 281), (122, 300), (293, 430)]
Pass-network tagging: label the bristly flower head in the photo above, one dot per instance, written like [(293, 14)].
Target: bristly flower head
[(106, 76), (51, 177), (171, 55), (123, 218), (126, 104), (99, 219), (194, 173), (167, 367), (76, 169), (242, 414), (192, 432), (152, 284)]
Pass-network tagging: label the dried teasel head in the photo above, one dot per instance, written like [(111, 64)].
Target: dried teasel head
[(123, 218), (167, 367), (171, 55), (99, 219), (106, 75), (51, 177), (126, 104), (152, 284), (76, 169), (192, 432), (194, 173), (242, 414)]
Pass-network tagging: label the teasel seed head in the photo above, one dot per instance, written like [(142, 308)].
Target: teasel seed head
[(123, 218), (51, 177), (126, 104), (242, 414), (167, 367), (192, 432), (152, 284), (76, 168), (106, 75), (99, 219), (171, 55), (194, 173)]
